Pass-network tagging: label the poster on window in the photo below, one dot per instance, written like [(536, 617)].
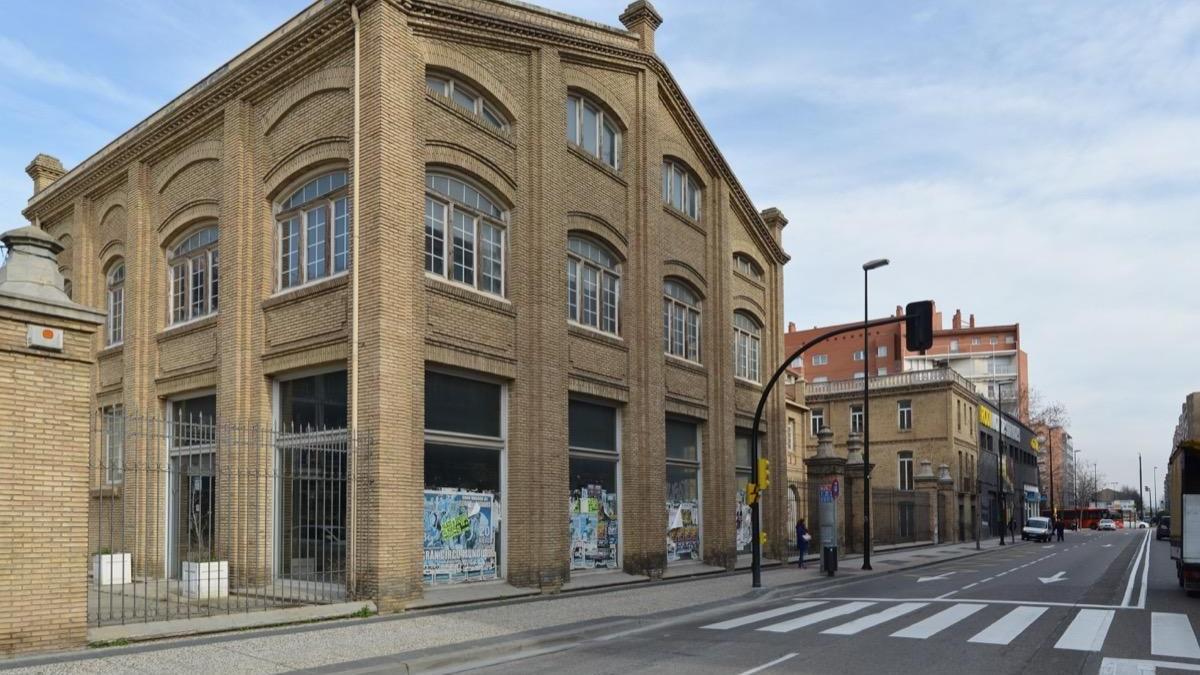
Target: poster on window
[(742, 523), (593, 528), (460, 537), (683, 530)]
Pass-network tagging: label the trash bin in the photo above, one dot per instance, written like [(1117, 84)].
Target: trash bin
[(829, 559)]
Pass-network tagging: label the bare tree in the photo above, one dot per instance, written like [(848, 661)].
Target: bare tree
[(1045, 415)]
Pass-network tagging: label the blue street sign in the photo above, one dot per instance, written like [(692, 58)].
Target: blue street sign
[(826, 496)]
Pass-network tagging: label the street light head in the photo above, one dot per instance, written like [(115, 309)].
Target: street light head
[(873, 264)]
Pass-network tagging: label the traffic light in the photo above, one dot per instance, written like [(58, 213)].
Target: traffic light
[(764, 474), (751, 494), (762, 538), (918, 323)]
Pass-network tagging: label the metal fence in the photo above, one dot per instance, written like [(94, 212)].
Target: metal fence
[(900, 516), (191, 517)]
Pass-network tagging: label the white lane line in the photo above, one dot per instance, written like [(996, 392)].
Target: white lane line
[(970, 585), (871, 620), (1137, 560), (943, 596), (768, 664), (990, 601), (762, 616), (1087, 632), (817, 617), (984, 581), (1145, 574), (1172, 635), (938, 622), (1114, 666), (1008, 626)]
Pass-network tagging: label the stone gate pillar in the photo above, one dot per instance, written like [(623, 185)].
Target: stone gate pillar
[(945, 485), (852, 494), (927, 485), (45, 406), (823, 469)]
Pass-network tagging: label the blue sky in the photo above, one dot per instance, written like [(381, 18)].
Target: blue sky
[(1024, 161)]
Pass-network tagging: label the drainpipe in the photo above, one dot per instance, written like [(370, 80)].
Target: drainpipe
[(353, 560)]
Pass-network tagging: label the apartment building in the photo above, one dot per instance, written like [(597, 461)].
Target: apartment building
[(495, 237)]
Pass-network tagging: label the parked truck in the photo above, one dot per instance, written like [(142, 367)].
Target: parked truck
[(1183, 484)]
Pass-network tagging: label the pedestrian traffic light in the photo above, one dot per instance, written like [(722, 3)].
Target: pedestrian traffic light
[(751, 494), (764, 474), (918, 323)]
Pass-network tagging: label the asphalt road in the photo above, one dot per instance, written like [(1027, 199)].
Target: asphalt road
[(1090, 604)]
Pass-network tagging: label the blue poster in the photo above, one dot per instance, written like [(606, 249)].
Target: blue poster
[(460, 537)]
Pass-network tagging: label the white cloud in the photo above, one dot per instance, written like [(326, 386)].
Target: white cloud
[(22, 62)]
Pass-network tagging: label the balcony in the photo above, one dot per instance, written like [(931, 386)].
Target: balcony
[(899, 380)]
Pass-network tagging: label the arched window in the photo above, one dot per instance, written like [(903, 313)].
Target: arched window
[(593, 285), (115, 282), (747, 336), (474, 254), (465, 96), (681, 190), (681, 321), (194, 275), (593, 130), (314, 230), (746, 265)]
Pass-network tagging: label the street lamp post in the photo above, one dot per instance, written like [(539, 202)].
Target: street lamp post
[(1154, 493), (867, 267), (1141, 491)]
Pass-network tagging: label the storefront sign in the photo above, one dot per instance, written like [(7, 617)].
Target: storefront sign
[(460, 536), (1012, 431), (593, 528), (683, 530), (988, 418)]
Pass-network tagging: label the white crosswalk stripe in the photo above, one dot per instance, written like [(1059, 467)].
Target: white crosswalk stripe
[(872, 620), (938, 622), (816, 617), (1172, 635), (1009, 626), (1087, 632), (762, 616)]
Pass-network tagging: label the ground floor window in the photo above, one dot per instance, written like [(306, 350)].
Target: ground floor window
[(594, 489), (464, 478), (683, 490)]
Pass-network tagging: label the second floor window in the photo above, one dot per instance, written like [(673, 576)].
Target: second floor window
[(858, 355), (681, 190), (818, 420), (746, 265), (856, 419), (820, 359), (195, 276), (116, 304), (464, 234), (593, 130), (747, 337), (904, 411), (593, 285), (681, 321), (906, 470), (465, 97), (314, 230)]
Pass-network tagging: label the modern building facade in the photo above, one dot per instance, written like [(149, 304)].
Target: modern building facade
[(495, 237), (1018, 474)]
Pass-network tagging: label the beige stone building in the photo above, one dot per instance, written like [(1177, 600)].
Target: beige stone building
[(916, 417), (495, 237)]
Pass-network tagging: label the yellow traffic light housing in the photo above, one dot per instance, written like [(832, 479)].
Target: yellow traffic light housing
[(764, 474), (751, 494), (762, 538)]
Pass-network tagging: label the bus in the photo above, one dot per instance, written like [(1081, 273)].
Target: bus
[(1075, 519)]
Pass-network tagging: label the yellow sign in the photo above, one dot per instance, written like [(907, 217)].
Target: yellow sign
[(986, 418), (1033, 443)]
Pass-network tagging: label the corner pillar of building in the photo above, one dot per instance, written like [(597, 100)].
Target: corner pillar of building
[(45, 416)]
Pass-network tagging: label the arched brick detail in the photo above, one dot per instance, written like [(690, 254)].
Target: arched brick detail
[(320, 151), (203, 151), (441, 58), (689, 274), (742, 252), (315, 83), (111, 200), (112, 251), (458, 157), (672, 149), (579, 221), (185, 216), (683, 161), (579, 80), (747, 304)]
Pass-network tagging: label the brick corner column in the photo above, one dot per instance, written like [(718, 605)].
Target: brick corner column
[(927, 484)]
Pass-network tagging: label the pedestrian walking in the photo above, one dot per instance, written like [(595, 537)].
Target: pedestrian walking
[(802, 539), (1058, 529), (1012, 529)]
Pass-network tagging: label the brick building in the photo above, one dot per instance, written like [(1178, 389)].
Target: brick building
[(496, 237)]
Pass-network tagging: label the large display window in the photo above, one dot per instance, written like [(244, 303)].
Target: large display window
[(594, 500), (683, 490), (464, 478), (743, 527)]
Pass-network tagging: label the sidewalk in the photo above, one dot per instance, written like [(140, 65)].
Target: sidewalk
[(511, 625)]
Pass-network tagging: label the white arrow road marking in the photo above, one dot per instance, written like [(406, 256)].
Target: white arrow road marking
[(937, 578), (1050, 580)]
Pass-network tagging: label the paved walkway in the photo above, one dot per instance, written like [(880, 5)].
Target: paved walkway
[(328, 643)]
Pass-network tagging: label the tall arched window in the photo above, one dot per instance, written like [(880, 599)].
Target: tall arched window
[(464, 96), (593, 130), (115, 282), (314, 230), (194, 275), (681, 190), (747, 336), (593, 285), (474, 253), (681, 321)]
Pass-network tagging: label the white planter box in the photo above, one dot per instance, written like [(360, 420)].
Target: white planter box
[(111, 568), (206, 579)]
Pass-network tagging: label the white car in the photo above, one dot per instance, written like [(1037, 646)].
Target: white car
[(1037, 529), (1107, 524), (1141, 525)]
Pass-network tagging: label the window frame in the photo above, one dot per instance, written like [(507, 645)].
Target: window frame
[(673, 169), (747, 266), (856, 413), (603, 119), (481, 106), (751, 340), (208, 256), (284, 213), (689, 347), (904, 471), (114, 329), (112, 419), (816, 421), (479, 220), (820, 359), (576, 309), (904, 422)]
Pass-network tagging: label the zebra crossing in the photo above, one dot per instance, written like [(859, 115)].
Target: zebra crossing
[(1171, 634)]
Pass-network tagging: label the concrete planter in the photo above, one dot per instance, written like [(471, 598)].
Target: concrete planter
[(111, 568), (206, 579)]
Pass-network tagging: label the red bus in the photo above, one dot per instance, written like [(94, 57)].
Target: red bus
[(1080, 518)]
